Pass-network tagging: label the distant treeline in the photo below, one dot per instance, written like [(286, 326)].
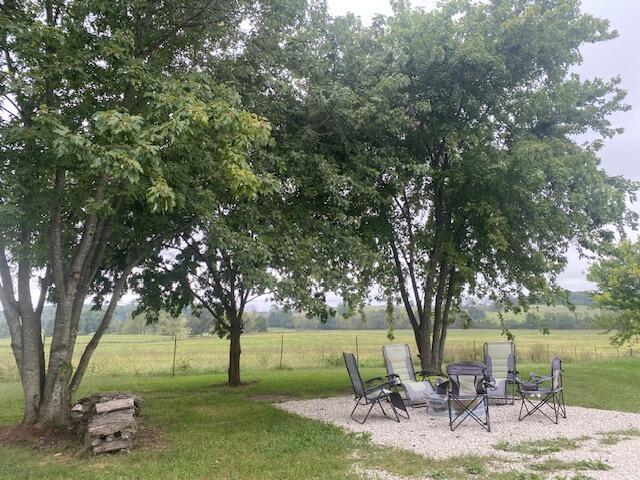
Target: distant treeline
[(481, 316), (124, 322), (372, 318), (89, 320)]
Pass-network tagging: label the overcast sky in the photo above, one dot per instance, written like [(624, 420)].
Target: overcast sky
[(608, 59)]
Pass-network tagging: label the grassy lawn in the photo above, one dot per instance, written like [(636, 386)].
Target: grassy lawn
[(207, 431)]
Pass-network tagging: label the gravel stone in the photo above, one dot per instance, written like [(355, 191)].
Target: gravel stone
[(431, 437)]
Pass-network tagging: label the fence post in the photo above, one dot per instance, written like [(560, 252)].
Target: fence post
[(281, 348), (474, 351), (175, 346), (548, 354), (357, 352), (618, 352), (575, 352), (595, 348), (631, 351)]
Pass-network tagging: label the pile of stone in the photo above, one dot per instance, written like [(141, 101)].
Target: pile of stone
[(107, 422)]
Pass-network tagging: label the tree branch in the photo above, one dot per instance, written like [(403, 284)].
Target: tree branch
[(79, 261), (10, 307), (118, 289), (57, 267), (447, 309), (5, 272), (90, 269), (9, 111), (102, 328), (185, 23), (24, 278), (45, 282), (402, 285), (203, 301)]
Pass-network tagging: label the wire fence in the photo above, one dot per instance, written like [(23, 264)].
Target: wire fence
[(142, 355)]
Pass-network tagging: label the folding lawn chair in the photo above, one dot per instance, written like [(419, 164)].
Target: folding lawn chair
[(397, 359), (500, 359), (467, 396), (370, 393), (535, 397)]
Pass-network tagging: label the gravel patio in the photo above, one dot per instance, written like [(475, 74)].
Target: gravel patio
[(431, 437)]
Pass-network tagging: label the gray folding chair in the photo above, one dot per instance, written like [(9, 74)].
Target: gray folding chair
[(397, 359), (500, 359), (467, 396), (373, 392), (538, 398)]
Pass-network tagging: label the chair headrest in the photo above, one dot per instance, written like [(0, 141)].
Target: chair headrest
[(466, 368)]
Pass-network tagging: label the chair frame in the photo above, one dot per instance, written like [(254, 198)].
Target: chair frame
[(415, 376), (362, 399), (552, 397), (512, 374), (464, 411)]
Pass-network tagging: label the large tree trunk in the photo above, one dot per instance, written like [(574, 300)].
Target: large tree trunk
[(24, 326), (56, 403), (424, 348), (439, 358), (234, 350), (451, 291), (54, 409), (47, 394), (32, 361), (31, 377)]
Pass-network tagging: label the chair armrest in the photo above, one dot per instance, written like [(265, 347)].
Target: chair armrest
[(380, 387), (392, 378), (395, 379), (539, 378), (374, 379), (519, 382)]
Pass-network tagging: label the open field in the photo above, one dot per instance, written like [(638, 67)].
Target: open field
[(204, 430), (141, 355), (208, 431)]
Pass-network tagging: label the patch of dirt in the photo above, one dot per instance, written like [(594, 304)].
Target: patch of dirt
[(242, 384), (41, 438), (148, 438), (272, 398), (374, 473)]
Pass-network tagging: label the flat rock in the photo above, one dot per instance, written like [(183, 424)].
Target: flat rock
[(116, 404)]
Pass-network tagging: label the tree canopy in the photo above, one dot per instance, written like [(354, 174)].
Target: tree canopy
[(617, 276), (286, 240), (273, 148), (112, 141), (455, 132)]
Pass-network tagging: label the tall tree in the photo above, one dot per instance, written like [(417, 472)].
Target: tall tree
[(112, 142), (455, 129), (291, 240), (218, 267), (245, 250), (617, 277)]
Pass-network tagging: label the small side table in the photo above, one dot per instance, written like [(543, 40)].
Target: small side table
[(437, 405)]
